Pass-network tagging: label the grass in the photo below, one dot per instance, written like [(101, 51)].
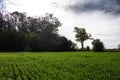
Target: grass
[(60, 66)]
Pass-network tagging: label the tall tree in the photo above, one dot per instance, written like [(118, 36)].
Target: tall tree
[(19, 21), (2, 22), (81, 35)]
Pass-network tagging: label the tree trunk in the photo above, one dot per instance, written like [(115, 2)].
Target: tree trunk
[(82, 45)]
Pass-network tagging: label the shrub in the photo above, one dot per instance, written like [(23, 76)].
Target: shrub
[(98, 46)]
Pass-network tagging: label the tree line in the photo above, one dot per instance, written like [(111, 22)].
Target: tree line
[(19, 32)]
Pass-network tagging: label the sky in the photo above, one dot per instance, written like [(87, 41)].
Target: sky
[(100, 18)]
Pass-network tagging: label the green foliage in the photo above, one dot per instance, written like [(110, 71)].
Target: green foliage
[(11, 41), (98, 46), (88, 48), (33, 42), (21, 33), (81, 35), (60, 66), (63, 44), (85, 49)]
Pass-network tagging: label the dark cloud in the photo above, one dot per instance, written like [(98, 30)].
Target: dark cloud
[(107, 6)]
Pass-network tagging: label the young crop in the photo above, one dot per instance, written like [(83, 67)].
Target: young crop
[(60, 66)]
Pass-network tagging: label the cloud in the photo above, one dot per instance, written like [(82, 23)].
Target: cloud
[(107, 6), (98, 24)]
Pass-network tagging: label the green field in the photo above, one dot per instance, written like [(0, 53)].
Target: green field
[(60, 66)]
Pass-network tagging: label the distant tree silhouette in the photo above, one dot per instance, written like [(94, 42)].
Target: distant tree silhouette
[(64, 44), (119, 46), (81, 35), (88, 48), (98, 46), (2, 22)]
